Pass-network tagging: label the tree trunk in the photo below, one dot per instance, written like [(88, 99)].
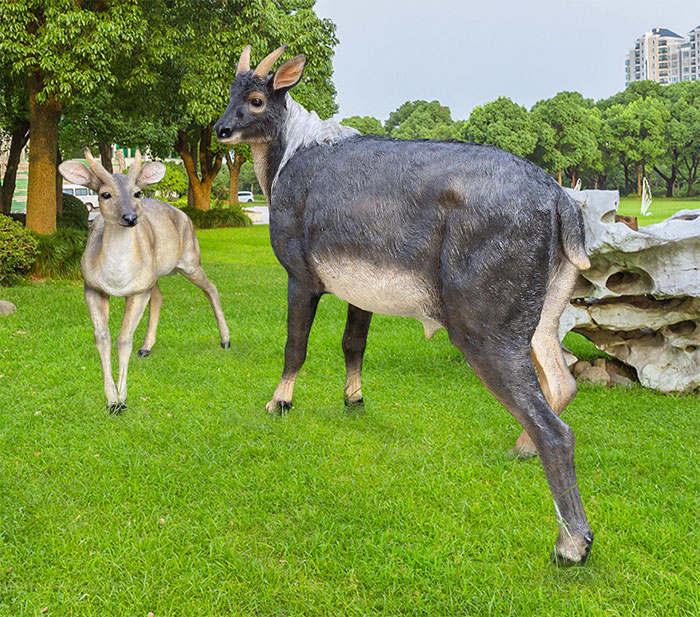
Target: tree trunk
[(19, 139), (41, 190), (639, 180), (670, 179), (209, 165), (106, 156), (59, 183), (234, 170), (559, 175)]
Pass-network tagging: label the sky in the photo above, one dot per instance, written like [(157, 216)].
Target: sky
[(465, 53)]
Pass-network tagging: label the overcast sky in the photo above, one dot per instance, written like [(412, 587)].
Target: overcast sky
[(465, 53)]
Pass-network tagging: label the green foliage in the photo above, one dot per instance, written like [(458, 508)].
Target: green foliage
[(173, 184), (75, 214), (73, 46), (422, 120), (567, 125), (367, 125), (59, 253), (504, 124), (215, 218), (18, 250)]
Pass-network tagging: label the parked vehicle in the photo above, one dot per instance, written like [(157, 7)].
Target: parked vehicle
[(86, 195), (246, 197)]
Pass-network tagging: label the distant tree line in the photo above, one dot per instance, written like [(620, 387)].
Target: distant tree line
[(646, 130)]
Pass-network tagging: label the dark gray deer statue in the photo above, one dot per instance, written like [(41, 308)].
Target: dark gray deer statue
[(131, 245), (457, 235)]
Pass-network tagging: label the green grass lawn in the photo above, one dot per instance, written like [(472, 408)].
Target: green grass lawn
[(661, 207), (195, 502)]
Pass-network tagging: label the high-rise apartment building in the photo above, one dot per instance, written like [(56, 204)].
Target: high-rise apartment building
[(663, 56)]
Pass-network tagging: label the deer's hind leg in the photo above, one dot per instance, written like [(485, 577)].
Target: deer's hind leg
[(556, 380), (195, 274), (154, 306)]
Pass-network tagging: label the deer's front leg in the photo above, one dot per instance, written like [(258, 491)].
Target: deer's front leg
[(98, 307), (301, 309), (133, 311), (354, 342)]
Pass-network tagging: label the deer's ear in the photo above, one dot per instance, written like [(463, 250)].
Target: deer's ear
[(77, 173), (289, 73), (150, 173)]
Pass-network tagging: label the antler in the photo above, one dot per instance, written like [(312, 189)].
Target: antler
[(96, 167), (135, 167), (266, 63), (244, 62)]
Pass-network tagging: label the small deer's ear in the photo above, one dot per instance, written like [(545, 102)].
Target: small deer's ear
[(77, 173), (289, 73), (150, 173)]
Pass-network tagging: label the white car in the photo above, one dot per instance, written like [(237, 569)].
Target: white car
[(87, 196), (245, 197)]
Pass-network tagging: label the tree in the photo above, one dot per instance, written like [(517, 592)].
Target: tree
[(367, 125), (190, 89), (14, 127), (567, 125), (504, 124), (645, 121), (422, 120), (61, 49)]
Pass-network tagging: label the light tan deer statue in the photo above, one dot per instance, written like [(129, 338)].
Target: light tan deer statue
[(131, 245)]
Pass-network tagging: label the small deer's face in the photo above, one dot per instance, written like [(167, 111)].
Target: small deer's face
[(120, 201), (256, 111), (119, 195)]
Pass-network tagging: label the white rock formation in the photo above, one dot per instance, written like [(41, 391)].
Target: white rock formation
[(640, 300)]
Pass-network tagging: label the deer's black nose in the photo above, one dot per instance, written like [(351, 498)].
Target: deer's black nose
[(223, 132), (129, 220)]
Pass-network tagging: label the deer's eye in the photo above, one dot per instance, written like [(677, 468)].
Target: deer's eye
[(137, 194), (105, 195), (256, 102)]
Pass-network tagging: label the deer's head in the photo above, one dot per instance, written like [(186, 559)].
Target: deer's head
[(119, 195), (256, 111)]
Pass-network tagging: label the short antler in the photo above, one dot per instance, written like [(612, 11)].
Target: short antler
[(96, 166), (244, 62), (266, 64), (135, 167)]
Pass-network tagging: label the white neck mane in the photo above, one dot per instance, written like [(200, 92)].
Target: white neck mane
[(304, 128)]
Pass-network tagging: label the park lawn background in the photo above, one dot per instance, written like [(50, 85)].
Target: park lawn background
[(661, 207), (196, 502)]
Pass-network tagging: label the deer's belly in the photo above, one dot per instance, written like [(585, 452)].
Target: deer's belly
[(383, 290)]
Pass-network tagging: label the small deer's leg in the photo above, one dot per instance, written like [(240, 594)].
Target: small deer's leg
[(197, 276), (301, 309), (154, 307), (133, 311), (354, 342), (98, 307)]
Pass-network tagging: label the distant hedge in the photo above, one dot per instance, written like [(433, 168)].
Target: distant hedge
[(218, 217)]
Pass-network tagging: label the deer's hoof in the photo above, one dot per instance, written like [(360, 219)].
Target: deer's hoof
[(354, 405), (278, 408), (143, 352), (226, 345), (573, 553), (116, 408)]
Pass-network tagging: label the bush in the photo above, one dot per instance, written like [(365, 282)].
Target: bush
[(18, 251), (75, 214), (218, 217), (60, 253)]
